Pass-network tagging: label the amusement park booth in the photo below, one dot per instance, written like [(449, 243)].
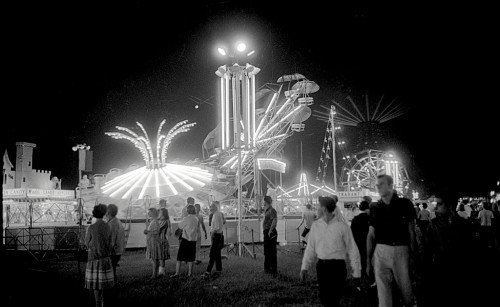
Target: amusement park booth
[(349, 200), (40, 220)]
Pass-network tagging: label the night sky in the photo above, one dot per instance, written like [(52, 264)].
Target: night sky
[(75, 72)]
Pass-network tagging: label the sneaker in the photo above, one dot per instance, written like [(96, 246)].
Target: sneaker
[(174, 276)]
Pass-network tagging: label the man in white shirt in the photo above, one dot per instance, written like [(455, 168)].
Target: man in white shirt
[(308, 217), (216, 227), (330, 240)]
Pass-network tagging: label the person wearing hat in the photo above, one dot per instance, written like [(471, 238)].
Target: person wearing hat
[(331, 241)]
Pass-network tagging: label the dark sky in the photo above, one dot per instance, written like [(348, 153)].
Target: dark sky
[(75, 72)]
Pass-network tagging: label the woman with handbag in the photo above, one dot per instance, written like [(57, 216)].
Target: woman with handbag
[(187, 247)]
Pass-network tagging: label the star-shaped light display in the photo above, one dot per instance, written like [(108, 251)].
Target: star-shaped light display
[(157, 178)]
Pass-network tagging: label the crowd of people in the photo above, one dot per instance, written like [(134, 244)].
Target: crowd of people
[(405, 251), (105, 242)]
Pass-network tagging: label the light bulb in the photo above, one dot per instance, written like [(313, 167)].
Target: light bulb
[(241, 47)]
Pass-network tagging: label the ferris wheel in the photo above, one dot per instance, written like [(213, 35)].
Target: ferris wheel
[(361, 170)]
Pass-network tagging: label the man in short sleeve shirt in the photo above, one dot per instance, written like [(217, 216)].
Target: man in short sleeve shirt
[(391, 242)]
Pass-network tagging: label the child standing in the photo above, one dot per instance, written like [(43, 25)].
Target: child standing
[(165, 232), (153, 249)]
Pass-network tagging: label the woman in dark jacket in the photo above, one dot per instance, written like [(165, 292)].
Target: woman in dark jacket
[(99, 273)]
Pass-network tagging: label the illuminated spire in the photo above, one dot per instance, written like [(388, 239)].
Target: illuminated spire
[(144, 144)]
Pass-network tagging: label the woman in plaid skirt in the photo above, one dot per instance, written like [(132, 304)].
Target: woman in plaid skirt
[(153, 248), (165, 232), (99, 272)]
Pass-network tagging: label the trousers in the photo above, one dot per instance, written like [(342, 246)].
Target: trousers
[(270, 258), (331, 280), (392, 263), (215, 256)]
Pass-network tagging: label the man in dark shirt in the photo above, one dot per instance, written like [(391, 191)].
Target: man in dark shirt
[(270, 237), (391, 243), (359, 226), (447, 243)]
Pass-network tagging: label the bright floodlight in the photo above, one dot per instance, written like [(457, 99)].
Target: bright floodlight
[(221, 51), (241, 47), (250, 53)]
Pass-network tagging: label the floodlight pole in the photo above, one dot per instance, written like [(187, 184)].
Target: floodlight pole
[(238, 83), (237, 143), (332, 134)]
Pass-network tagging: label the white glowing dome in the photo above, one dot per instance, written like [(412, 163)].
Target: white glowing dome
[(158, 178)]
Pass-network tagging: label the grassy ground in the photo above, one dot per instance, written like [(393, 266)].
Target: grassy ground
[(242, 283)]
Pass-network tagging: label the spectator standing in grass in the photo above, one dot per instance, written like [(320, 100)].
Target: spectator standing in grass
[(359, 226), (190, 201), (467, 208), (201, 226), (423, 219), (308, 217), (461, 211), (270, 237), (391, 243), (153, 249), (165, 232), (486, 217), (187, 247), (99, 272), (331, 241), (496, 222), (447, 244), (217, 237), (117, 236)]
